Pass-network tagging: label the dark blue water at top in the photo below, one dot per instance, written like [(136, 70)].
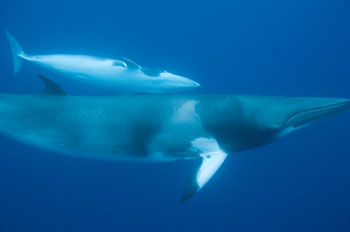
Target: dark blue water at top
[(269, 47)]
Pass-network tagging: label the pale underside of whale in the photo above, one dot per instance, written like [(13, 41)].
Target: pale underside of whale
[(156, 128), (117, 75)]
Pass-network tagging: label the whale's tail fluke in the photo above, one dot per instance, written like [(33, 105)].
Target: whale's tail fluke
[(17, 52)]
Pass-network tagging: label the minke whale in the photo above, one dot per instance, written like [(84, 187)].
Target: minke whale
[(119, 75), (157, 128)]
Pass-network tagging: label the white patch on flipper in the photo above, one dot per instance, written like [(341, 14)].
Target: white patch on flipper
[(212, 156)]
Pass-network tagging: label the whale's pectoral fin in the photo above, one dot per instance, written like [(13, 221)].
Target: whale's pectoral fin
[(212, 158), (119, 63), (51, 88), (130, 64)]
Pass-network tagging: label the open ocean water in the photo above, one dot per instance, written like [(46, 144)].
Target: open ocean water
[(269, 47)]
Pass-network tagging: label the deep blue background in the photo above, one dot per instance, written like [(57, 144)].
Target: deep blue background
[(270, 47)]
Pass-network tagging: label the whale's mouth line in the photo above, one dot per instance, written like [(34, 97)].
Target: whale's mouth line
[(307, 116)]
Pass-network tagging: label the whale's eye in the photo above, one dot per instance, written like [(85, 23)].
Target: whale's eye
[(152, 72)]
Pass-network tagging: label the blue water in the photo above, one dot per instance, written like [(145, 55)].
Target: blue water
[(269, 47)]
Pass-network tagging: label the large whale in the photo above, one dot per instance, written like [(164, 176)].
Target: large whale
[(157, 128), (116, 75)]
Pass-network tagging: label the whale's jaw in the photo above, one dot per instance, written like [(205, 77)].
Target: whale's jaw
[(311, 113)]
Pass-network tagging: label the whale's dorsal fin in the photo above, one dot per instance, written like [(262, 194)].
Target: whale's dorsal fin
[(130, 64), (51, 88), (212, 158)]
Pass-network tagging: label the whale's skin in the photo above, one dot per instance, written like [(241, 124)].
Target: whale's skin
[(158, 128), (154, 128)]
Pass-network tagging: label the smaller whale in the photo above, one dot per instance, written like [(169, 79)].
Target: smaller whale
[(118, 75)]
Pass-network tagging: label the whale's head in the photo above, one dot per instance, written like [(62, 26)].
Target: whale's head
[(174, 82), (251, 121), (309, 110), (165, 82), (285, 115)]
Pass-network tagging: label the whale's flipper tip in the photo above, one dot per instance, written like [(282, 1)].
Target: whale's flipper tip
[(192, 187)]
